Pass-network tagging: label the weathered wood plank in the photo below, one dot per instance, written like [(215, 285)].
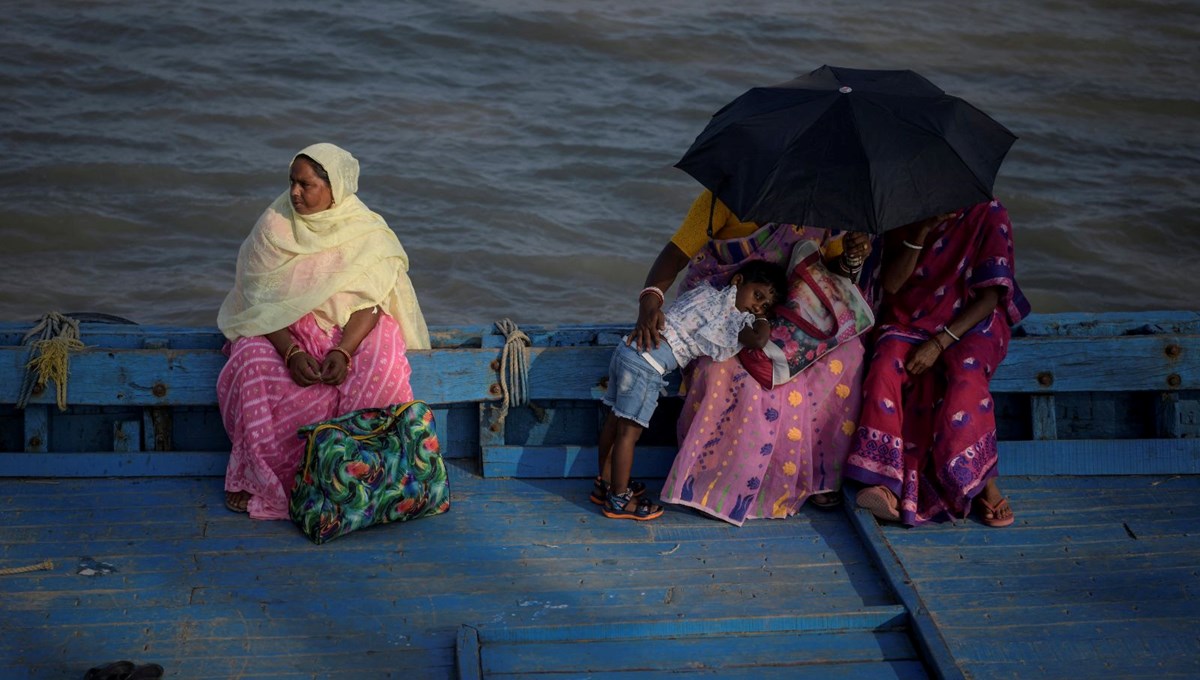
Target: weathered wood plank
[(1036, 365), (719, 651), (1097, 579), (1100, 457)]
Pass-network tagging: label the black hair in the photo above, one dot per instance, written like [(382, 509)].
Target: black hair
[(317, 167), (761, 271)]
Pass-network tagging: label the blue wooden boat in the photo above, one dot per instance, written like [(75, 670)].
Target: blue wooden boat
[(122, 492)]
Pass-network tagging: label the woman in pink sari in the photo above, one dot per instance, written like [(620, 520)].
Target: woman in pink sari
[(926, 442), (748, 452), (318, 321)]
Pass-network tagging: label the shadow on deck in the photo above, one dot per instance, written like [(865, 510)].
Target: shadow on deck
[(1097, 579)]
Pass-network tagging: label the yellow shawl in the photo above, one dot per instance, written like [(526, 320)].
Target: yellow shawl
[(332, 263)]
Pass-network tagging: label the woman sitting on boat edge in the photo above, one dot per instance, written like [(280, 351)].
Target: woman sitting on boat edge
[(926, 441), (747, 451), (318, 321)]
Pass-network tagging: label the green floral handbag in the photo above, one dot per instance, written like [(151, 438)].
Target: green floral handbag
[(372, 466)]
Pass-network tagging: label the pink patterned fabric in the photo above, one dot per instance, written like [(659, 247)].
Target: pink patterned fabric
[(931, 439), (747, 452), (262, 407)]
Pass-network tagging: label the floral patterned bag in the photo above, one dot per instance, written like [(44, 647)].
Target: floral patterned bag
[(372, 466), (822, 310)]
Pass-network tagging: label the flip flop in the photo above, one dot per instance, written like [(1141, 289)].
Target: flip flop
[(880, 502), (827, 500), (994, 510), (600, 490)]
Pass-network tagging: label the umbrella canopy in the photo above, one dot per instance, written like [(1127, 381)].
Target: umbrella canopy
[(841, 148)]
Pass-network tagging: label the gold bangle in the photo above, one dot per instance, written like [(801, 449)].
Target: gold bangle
[(349, 359), (292, 350)]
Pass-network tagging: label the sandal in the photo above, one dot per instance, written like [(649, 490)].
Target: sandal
[(237, 501), (827, 500), (600, 490), (880, 502), (990, 514), (617, 507), (117, 670), (149, 671)]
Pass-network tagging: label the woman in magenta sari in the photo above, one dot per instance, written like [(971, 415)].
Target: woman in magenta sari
[(926, 441), (319, 319), (748, 452)]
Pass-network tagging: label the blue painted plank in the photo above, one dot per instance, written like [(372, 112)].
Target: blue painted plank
[(467, 654), (934, 650), (568, 461), (884, 617), (166, 377), (893, 670), (640, 653), (114, 464), (1090, 324), (37, 428), (1100, 457)]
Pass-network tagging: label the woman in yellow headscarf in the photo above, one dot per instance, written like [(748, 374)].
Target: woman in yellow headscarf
[(319, 319)]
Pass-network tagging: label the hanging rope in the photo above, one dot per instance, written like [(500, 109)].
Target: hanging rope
[(50, 343), (43, 566), (514, 369)]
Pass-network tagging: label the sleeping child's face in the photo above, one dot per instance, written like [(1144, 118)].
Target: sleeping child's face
[(756, 298)]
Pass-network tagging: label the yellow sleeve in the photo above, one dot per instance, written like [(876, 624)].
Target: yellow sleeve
[(692, 235)]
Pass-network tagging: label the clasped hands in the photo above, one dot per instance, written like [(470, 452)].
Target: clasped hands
[(306, 370)]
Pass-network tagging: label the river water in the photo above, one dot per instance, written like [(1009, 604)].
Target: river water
[(523, 150)]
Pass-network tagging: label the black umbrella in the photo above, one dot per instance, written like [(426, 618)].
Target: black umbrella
[(843, 148)]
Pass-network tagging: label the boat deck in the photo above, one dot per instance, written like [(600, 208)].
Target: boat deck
[(1097, 579)]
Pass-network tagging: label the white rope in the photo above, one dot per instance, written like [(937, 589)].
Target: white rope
[(514, 369)]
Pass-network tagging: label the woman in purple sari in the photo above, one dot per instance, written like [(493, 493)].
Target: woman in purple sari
[(926, 441), (749, 452)]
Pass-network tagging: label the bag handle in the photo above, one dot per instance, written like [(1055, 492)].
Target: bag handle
[(389, 421), (805, 274)]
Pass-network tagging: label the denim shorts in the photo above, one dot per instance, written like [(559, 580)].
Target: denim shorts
[(634, 385)]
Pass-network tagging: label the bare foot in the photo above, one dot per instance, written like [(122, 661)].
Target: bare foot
[(237, 500)]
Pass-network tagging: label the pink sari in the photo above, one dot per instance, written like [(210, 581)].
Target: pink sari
[(262, 407), (747, 452), (931, 439)]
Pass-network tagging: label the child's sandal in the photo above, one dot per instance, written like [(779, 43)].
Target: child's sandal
[(617, 507), (600, 490)]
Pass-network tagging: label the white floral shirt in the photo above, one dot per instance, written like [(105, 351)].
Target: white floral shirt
[(703, 322)]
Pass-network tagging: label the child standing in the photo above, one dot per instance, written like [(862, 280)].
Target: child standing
[(703, 321)]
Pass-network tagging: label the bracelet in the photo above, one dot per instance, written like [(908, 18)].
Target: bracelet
[(662, 299), (936, 341), (292, 350), (349, 359), (912, 245), (849, 269), (949, 332)]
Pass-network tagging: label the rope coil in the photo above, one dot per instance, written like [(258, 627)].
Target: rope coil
[(514, 370), (50, 343)]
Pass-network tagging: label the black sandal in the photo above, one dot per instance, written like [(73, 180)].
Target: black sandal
[(827, 500), (617, 507), (600, 490)]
